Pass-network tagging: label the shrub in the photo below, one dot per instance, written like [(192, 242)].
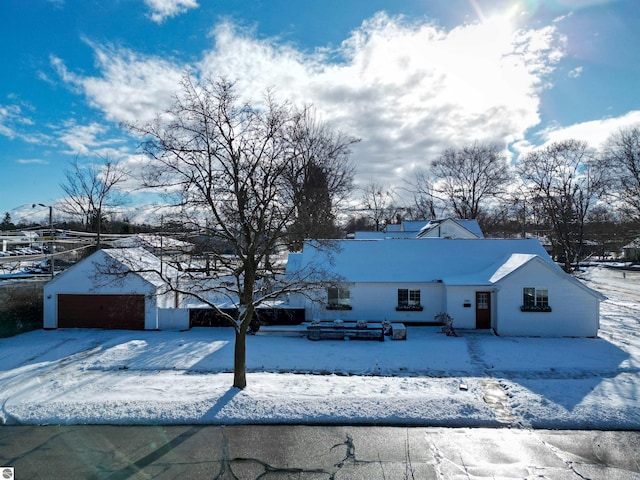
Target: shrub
[(21, 308)]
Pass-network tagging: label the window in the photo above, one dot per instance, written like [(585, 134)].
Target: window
[(482, 300), (338, 298), (408, 299), (535, 299)]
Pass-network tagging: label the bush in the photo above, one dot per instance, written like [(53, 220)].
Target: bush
[(21, 308)]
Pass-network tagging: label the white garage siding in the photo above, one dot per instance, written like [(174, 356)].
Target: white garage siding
[(90, 277)]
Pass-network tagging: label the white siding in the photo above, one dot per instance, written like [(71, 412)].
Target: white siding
[(459, 296), (173, 318), (377, 302), (574, 311)]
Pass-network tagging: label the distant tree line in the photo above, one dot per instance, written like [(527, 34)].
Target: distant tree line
[(579, 199)]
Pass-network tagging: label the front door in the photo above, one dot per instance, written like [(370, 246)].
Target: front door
[(483, 309)]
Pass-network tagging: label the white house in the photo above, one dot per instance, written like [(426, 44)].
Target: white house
[(511, 286), (632, 251), (112, 288), (440, 228), (451, 228)]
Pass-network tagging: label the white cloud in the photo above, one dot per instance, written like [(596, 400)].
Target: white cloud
[(576, 72), (132, 88), (594, 132), (90, 140), (15, 123), (32, 161), (7, 116), (81, 139), (407, 89), (163, 9)]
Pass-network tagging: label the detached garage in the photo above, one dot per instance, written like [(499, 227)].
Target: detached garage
[(118, 288)]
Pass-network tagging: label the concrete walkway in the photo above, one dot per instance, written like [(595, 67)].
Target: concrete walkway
[(315, 452)]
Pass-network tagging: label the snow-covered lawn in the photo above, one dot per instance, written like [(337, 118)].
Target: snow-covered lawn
[(125, 377)]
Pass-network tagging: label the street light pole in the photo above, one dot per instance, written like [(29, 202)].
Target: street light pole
[(52, 246)]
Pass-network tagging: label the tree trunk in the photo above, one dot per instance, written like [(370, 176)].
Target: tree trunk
[(99, 228), (240, 359)]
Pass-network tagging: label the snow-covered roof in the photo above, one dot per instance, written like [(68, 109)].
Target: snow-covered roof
[(471, 226), (420, 228), (518, 260), (413, 225), (152, 241), (119, 261), (515, 261), (365, 235), (452, 262), (142, 263), (415, 260), (633, 244)]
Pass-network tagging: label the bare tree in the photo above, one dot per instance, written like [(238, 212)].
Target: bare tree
[(92, 188), (423, 195), (564, 180), (378, 204), (228, 166), (320, 176), (622, 153), (469, 176)]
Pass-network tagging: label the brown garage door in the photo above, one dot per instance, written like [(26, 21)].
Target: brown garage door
[(101, 311)]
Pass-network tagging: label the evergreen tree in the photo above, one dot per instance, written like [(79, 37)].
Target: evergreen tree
[(7, 224)]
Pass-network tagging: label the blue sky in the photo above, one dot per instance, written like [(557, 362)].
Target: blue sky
[(409, 78)]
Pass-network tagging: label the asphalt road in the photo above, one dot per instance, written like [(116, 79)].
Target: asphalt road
[(314, 453)]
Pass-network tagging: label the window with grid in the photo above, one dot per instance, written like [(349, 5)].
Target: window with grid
[(338, 298), (535, 299), (408, 297)]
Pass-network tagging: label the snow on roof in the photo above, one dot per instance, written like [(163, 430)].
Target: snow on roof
[(415, 260), (633, 244), (517, 261), (152, 241), (365, 235), (123, 260), (470, 225), (143, 263), (413, 225), (514, 262)]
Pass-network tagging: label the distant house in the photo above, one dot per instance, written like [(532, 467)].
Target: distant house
[(112, 288), (511, 286), (632, 251), (451, 228), (442, 228)]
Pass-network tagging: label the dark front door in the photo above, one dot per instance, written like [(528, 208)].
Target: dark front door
[(483, 309)]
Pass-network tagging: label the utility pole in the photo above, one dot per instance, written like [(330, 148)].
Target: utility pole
[(51, 233)]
